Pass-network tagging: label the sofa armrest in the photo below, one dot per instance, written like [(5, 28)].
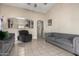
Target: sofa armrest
[(76, 45)]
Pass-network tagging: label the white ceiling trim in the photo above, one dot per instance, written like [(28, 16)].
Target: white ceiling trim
[(40, 6)]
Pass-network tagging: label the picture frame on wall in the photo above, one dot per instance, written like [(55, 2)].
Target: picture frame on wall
[(1, 23), (10, 23), (29, 23), (49, 22)]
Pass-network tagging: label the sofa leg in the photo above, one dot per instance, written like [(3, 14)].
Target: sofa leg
[(46, 40), (76, 54)]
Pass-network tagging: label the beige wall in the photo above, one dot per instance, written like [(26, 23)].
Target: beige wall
[(65, 18), (0, 9), (8, 11)]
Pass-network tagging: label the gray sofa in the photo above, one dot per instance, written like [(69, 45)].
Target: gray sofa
[(7, 44), (69, 42)]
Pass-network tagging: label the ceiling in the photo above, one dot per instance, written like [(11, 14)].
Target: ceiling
[(37, 7)]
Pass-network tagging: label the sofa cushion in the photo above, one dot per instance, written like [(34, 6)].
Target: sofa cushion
[(23, 32), (3, 35), (64, 41), (50, 35), (50, 38), (66, 36), (57, 35)]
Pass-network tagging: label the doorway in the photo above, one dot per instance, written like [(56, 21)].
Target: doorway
[(40, 29)]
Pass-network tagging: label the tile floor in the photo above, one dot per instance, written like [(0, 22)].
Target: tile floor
[(37, 48)]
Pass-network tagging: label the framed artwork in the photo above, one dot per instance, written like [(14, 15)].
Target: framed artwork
[(10, 23), (49, 22), (1, 23), (27, 23)]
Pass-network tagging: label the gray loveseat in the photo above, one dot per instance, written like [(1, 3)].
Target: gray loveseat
[(7, 44), (69, 42)]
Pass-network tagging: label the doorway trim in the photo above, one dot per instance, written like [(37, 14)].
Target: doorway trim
[(42, 29)]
